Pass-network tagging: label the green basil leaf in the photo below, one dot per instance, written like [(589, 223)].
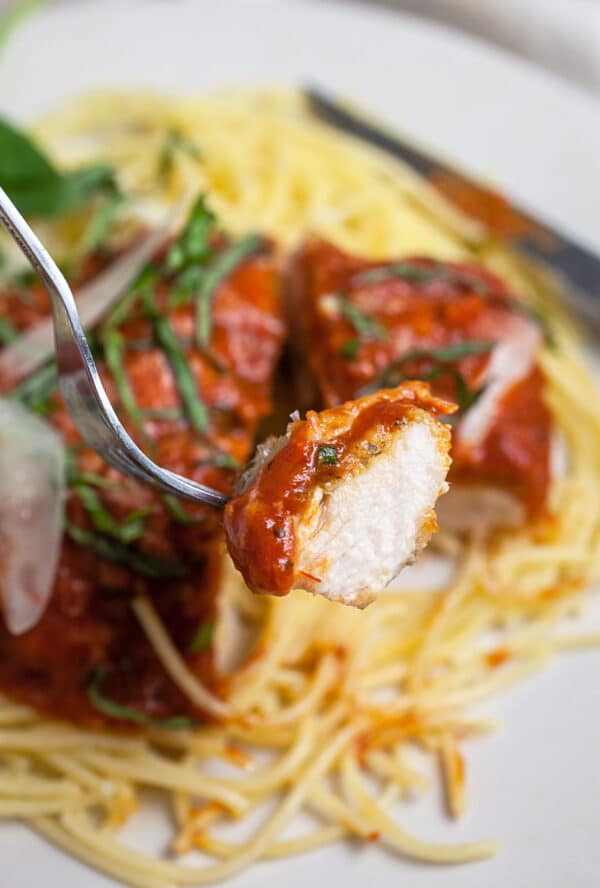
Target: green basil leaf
[(535, 314), (114, 709), (89, 478), (410, 271), (363, 325), (176, 510), (202, 640), (225, 461), (466, 397), (114, 346), (327, 455), (8, 333), (175, 141), (196, 410), (222, 266), (142, 563), (36, 186), (36, 391), (448, 353), (349, 349), (127, 531), (78, 186), (99, 225), (185, 285), (164, 413), (407, 271), (393, 374), (193, 244), (21, 161)]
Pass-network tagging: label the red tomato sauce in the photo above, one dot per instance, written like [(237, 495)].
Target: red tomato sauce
[(88, 645)]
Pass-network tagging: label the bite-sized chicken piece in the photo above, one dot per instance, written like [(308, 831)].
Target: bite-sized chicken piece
[(365, 325), (187, 358), (342, 502)]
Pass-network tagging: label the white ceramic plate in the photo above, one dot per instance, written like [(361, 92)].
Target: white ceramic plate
[(536, 783)]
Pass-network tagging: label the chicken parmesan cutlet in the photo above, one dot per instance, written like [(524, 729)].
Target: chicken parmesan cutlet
[(342, 502), (360, 326), (187, 357)]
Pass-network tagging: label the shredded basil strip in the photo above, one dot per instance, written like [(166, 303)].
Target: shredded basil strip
[(188, 256), (393, 375), (112, 708), (8, 333), (193, 244), (362, 324), (99, 225), (114, 347), (327, 455), (221, 460), (190, 276), (142, 563), (175, 141), (349, 349), (530, 311), (186, 383), (222, 266), (176, 510), (466, 397), (127, 531), (24, 278), (202, 640), (143, 287), (406, 270), (36, 391), (91, 479), (175, 506), (172, 413), (185, 285), (448, 353), (410, 271)]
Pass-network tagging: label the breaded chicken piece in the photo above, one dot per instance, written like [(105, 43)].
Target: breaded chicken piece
[(196, 406), (362, 325), (342, 502)]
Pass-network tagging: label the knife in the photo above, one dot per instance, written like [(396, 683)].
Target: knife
[(578, 266)]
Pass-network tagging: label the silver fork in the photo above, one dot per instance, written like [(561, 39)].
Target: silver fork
[(82, 390)]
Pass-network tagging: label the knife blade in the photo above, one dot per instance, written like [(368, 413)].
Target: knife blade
[(577, 265)]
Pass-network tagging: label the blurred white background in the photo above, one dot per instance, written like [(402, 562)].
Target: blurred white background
[(560, 35)]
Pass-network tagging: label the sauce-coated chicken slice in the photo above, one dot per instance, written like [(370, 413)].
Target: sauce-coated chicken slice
[(345, 500), (187, 358), (364, 325)]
